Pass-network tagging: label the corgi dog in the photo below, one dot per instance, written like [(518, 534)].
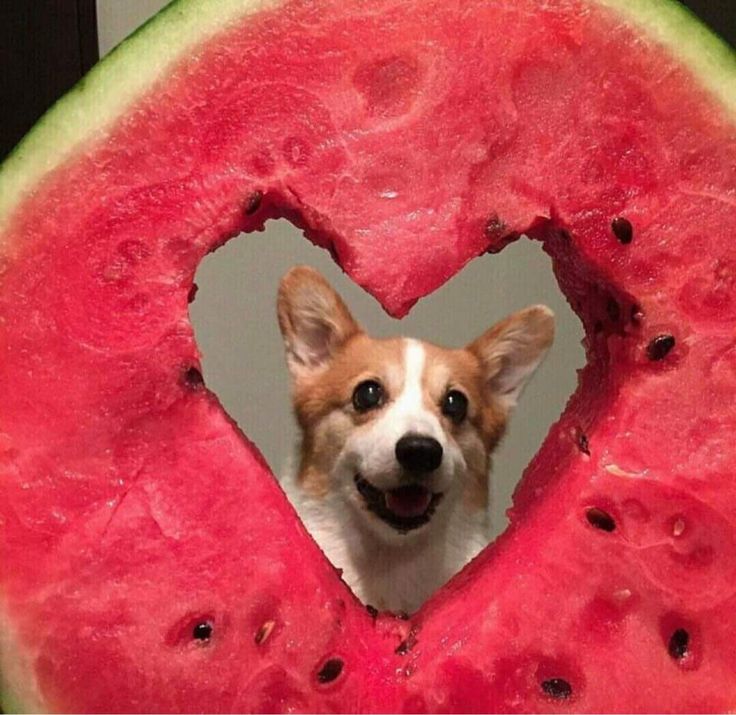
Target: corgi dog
[(392, 479)]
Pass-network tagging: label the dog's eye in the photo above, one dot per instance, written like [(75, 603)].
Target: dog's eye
[(367, 395), (455, 406)]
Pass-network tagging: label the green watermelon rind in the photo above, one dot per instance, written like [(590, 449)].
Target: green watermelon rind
[(148, 54), (15, 671)]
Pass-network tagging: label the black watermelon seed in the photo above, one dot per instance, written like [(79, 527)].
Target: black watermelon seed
[(194, 377), (583, 444), (614, 310), (264, 632), (598, 326), (330, 670), (192, 293), (600, 519), (622, 229), (202, 631), (372, 611), (406, 645), (557, 688), (253, 203), (678, 645), (660, 346)]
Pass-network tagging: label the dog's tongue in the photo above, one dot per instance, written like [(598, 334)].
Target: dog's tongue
[(408, 501)]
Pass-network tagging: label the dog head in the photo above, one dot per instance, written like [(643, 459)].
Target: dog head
[(401, 430)]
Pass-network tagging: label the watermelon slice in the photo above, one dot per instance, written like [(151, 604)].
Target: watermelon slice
[(148, 560)]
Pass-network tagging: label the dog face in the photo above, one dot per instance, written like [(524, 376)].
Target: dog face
[(401, 430)]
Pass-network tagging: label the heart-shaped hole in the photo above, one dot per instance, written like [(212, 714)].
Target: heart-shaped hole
[(234, 315)]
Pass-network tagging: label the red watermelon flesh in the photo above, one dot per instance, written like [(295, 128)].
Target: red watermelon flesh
[(149, 562)]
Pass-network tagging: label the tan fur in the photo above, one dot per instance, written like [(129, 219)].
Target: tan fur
[(463, 370), (307, 302), (362, 358), (521, 337), (355, 357), (329, 354), (330, 392)]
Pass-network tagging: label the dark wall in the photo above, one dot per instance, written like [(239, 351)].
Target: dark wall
[(47, 45), (719, 14)]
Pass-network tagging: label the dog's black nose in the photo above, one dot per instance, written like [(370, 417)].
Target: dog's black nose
[(417, 453)]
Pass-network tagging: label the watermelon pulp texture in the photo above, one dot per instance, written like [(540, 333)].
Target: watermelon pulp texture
[(150, 562)]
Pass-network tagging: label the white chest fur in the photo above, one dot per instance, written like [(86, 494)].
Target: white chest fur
[(396, 576)]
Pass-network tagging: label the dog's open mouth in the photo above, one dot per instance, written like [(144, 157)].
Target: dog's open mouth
[(404, 508)]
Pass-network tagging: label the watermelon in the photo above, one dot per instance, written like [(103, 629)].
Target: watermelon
[(148, 559)]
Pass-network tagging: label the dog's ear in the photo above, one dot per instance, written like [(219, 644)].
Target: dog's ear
[(512, 350), (313, 320)]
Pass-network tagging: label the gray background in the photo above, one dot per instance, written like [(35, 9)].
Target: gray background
[(235, 322)]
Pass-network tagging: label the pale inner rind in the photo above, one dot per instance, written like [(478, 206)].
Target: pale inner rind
[(19, 691)]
